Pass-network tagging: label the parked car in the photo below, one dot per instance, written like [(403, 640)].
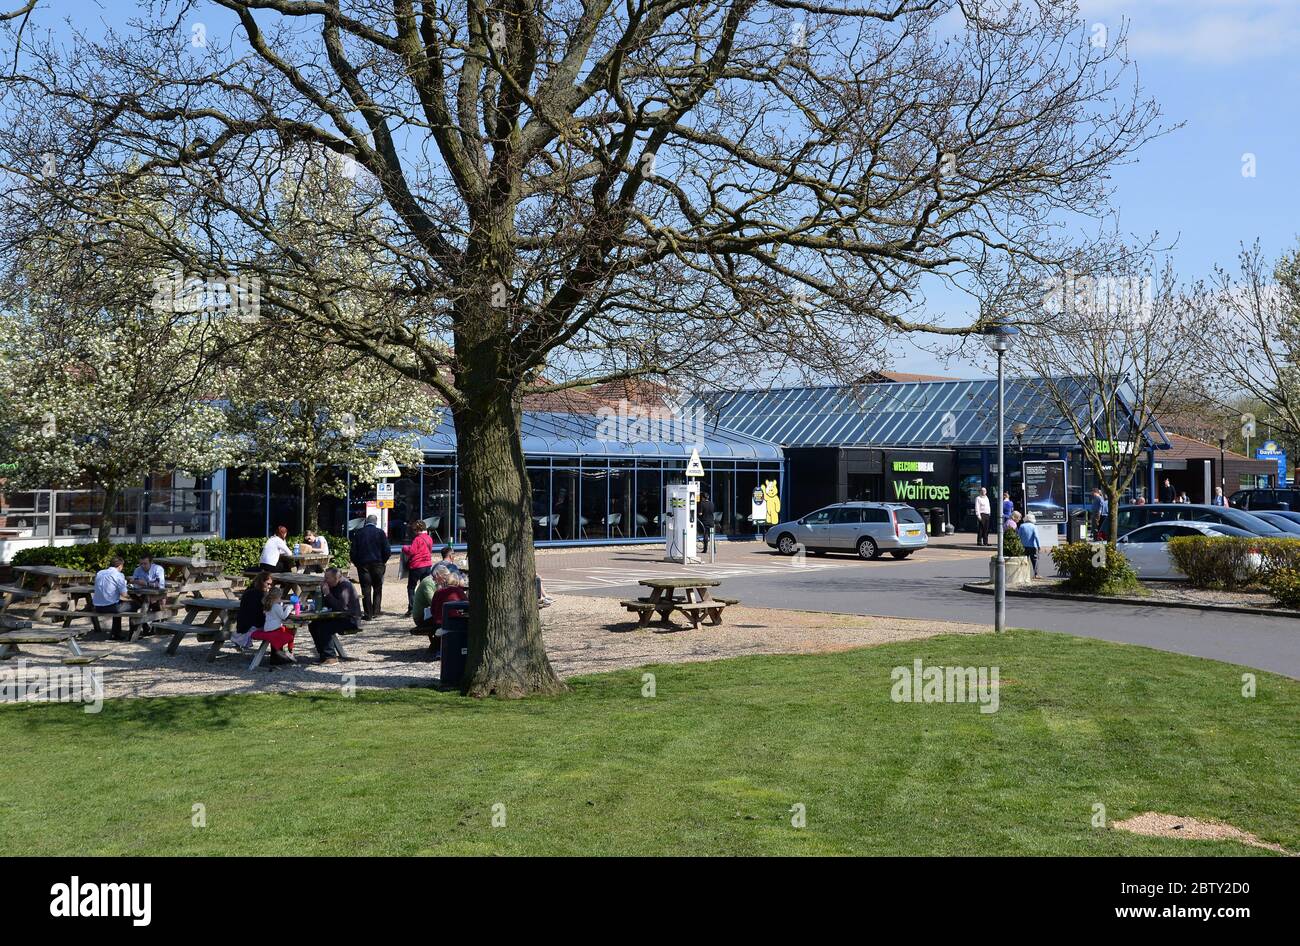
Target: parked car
[(1147, 548), (1284, 521), (1253, 499), (866, 528), (1134, 517)]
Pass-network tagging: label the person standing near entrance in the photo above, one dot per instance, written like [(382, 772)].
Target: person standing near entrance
[(1219, 499), (1167, 494), (370, 553), (1008, 507), (984, 513)]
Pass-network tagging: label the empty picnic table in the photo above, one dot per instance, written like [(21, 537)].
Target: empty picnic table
[(41, 587), (689, 596), (187, 570), (217, 625)]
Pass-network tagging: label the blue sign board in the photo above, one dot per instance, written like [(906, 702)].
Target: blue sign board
[(1268, 450)]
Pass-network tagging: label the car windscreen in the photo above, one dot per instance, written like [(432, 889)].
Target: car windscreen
[(1282, 522), (908, 514), (1244, 520), (1223, 529)]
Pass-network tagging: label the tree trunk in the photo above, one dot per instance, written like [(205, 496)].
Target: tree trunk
[(506, 655), (106, 514), (310, 504), (1112, 497)]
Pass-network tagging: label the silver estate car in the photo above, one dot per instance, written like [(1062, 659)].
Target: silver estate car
[(865, 528)]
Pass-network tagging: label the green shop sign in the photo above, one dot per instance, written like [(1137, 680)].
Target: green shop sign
[(914, 491), (913, 466)]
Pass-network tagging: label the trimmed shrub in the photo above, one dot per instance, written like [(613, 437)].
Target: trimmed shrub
[(1088, 570), (1011, 544), (233, 554), (1284, 585), (1227, 561)]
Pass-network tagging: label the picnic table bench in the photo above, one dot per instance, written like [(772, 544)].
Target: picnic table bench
[(10, 640), (688, 596), (216, 627), (41, 587)]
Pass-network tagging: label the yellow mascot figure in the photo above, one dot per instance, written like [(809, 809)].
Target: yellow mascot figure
[(773, 502)]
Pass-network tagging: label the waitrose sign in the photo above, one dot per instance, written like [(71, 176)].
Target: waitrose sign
[(912, 491)]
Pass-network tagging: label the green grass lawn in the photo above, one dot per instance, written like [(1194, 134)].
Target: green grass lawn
[(711, 765)]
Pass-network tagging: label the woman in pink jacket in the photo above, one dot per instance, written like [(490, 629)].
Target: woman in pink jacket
[(419, 560)]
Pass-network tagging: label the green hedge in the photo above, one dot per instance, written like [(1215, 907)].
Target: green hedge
[(1284, 585), (233, 554), (1086, 570), (1230, 562)]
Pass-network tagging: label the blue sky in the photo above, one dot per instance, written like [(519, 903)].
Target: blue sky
[(1229, 70)]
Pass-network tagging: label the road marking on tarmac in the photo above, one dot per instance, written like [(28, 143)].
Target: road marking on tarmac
[(608, 576)]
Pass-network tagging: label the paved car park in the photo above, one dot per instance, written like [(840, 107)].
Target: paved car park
[(928, 585)]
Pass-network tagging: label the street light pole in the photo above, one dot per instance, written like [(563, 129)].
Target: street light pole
[(1223, 478), (1000, 581), (998, 338)]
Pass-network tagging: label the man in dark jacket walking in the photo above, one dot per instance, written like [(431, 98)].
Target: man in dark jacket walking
[(370, 552), (704, 513)]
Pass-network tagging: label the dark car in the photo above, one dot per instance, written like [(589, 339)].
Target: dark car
[(1134, 517), (1285, 522), (1253, 499)]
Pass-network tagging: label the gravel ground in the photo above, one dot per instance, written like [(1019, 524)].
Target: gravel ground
[(1155, 824), (583, 635)]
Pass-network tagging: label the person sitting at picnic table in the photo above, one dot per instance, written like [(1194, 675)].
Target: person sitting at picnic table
[(441, 587), (450, 562), (271, 628), (313, 544), (276, 554), (147, 574), (110, 594), (249, 616), (338, 594), (419, 560)]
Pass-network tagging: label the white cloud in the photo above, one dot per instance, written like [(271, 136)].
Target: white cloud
[(1202, 32)]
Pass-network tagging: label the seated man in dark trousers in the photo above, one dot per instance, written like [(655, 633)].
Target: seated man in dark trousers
[(370, 552), (338, 594), (110, 595)]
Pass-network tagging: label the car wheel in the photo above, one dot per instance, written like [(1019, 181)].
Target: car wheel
[(867, 548), (900, 555), (786, 544)]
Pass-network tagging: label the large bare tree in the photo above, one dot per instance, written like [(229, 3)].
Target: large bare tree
[(1111, 351), (578, 191)]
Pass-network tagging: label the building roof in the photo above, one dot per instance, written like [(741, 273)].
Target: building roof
[(897, 377), (1187, 448), (914, 414), (621, 436)]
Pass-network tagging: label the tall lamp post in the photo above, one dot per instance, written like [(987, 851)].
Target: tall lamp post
[(999, 338), (1223, 475)]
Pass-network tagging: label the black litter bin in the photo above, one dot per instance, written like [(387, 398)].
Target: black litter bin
[(936, 520), (455, 642), (1079, 527)]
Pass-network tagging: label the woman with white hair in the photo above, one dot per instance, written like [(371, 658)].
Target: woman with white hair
[(1028, 535)]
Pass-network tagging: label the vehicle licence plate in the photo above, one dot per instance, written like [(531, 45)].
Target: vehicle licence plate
[(913, 531)]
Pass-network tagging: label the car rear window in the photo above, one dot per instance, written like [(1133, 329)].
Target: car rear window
[(908, 515)]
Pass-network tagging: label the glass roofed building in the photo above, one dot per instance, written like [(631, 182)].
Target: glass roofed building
[(599, 474), (928, 443), (596, 477)]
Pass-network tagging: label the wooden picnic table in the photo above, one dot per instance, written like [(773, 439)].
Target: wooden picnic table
[(188, 570), (308, 586), (41, 587), (218, 623), (304, 560), (690, 596), (301, 620)]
